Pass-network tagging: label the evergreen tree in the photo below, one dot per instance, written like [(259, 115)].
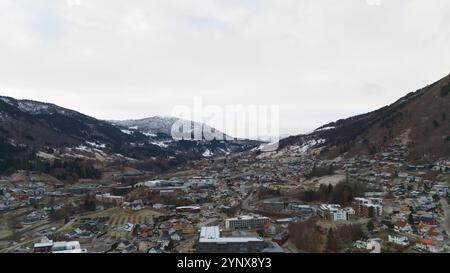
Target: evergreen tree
[(370, 226), (332, 243)]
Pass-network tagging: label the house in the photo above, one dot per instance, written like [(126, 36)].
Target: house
[(175, 237), (398, 240), (270, 228), (402, 226), (429, 245)]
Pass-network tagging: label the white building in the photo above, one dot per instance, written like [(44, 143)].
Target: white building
[(68, 247), (246, 222), (398, 240), (210, 241), (46, 246), (335, 212)]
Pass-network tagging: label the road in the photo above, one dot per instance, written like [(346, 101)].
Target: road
[(245, 202), (377, 248)]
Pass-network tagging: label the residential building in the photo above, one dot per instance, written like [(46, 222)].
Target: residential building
[(367, 207), (398, 240), (246, 222), (335, 212)]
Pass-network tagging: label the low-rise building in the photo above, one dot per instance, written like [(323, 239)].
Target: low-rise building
[(107, 198), (398, 240)]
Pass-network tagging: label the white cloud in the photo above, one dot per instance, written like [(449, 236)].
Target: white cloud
[(123, 59)]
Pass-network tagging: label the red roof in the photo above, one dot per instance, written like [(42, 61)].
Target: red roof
[(425, 241), (431, 232)]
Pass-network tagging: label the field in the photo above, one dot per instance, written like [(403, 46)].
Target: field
[(5, 233), (118, 216)]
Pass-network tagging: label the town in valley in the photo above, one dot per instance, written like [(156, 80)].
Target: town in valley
[(285, 201)]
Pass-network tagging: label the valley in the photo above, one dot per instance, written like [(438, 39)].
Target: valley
[(378, 182)]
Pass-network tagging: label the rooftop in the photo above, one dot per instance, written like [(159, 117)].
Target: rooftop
[(248, 217), (212, 235)]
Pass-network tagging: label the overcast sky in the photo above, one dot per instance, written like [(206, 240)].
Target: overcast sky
[(319, 60)]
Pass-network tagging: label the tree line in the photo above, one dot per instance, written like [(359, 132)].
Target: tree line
[(342, 193)]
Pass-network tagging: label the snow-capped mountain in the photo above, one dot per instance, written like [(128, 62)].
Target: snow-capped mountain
[(28, 127), (36, 123), (171, 126)]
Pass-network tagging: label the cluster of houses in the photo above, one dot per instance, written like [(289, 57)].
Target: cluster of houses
[(414, 215), (88, 229), (19, 196), (214, 212)]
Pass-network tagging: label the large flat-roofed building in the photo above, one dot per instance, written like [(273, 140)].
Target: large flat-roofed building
[(246, 222), (273, 206), (110, 199), (67, 247), (211, 242), (48, 246), (44, 246), (191, 209), (300, 208)]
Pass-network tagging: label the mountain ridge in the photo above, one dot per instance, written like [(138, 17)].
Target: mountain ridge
[(27, 127), (420, 118)]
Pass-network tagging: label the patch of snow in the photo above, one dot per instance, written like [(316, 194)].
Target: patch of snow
[(45, 155), (325, 128), (160, 144), (225, 152), (306, 146), (128, 132), (268, 147), (207, 153), (83, 148), (95, 145), (12, 142), (31, 107), (149, 134), (7, 100)]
